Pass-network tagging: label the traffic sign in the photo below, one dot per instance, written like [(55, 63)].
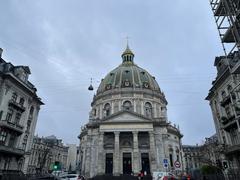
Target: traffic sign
[(177, 164), (165, 161)]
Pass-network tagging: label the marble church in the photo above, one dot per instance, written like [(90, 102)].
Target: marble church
[(128, 128)]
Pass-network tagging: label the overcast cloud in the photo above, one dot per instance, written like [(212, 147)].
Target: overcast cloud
[(66, 42)]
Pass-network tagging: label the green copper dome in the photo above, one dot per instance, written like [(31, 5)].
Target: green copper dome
[(128, 75)]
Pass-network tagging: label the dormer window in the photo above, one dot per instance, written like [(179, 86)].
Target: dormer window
[(126, 83), (23, 77)]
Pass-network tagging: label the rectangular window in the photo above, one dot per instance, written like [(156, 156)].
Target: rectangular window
[(12, 141), (1, 113), (9, 115), (3, 137), (228, 111), (17, 118)]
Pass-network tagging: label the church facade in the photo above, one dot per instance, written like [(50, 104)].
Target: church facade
[(128, 128)]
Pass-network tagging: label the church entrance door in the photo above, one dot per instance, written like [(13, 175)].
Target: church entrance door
[(127, 163), (109, 163), (145, 162)]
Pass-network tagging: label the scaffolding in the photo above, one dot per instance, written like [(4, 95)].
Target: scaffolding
[(227, 17)]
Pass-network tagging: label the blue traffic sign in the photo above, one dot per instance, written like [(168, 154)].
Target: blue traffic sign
[(165, 161)]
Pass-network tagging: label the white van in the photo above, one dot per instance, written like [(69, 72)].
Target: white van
[(160, 175)]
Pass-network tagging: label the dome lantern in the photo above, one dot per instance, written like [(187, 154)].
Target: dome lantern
[(127, 56)]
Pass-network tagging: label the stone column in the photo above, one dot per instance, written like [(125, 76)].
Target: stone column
[(136, 158), (116, 159), (152, 152), (101, 155), (87, 156)]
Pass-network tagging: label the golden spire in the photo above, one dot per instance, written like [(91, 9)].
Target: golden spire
[(127, 55)]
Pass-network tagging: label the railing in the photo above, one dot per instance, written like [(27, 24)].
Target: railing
[(12, 126), (16, 105), (11, 150), (108, 146), (226, 100), (225, 120)]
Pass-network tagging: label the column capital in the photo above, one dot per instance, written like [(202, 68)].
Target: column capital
[(116, 133), (135, 132)]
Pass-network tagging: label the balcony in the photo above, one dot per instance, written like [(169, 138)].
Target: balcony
[(108, 146), (226, 100), (144, 146), (16, 105), (235, 139), (11, 150), (12, 126), (237, 108)]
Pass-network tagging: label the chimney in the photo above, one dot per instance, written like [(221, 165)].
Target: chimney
[(1, 50)]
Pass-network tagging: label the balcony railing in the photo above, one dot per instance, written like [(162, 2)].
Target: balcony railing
[(144, 146), (226, 100), (237, 108), (16, 105), (13, 126), (109, 146), (225, 120), (11, 150)]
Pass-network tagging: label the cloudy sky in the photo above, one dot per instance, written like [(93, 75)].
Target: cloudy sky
[(67, 42)]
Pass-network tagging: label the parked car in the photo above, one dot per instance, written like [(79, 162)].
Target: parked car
[(71, 177), (164, 176)]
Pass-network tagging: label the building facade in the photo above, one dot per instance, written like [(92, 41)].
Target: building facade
[(46, 153), (224, 99), (19, 108), (128, 129), (209, 153), (191, 159), (72, 157)]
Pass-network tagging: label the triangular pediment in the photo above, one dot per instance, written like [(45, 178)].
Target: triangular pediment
[(126, 116)]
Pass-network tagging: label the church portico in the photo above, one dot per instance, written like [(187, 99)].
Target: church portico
[(129, 151), (128, 122)]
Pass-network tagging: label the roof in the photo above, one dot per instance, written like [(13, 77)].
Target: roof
[(128, 76)]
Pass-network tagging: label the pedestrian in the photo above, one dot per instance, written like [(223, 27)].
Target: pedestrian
[(139, 175), (142, 174), (145, 173)]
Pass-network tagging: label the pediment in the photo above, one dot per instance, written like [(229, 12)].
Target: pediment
[(126, 116)]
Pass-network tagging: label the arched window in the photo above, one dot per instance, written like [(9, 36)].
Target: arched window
[(31, 113), (148, 109), (229, 89), (21, 102), (94, 112), (107, 109), (223, 94), (127, 106)]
